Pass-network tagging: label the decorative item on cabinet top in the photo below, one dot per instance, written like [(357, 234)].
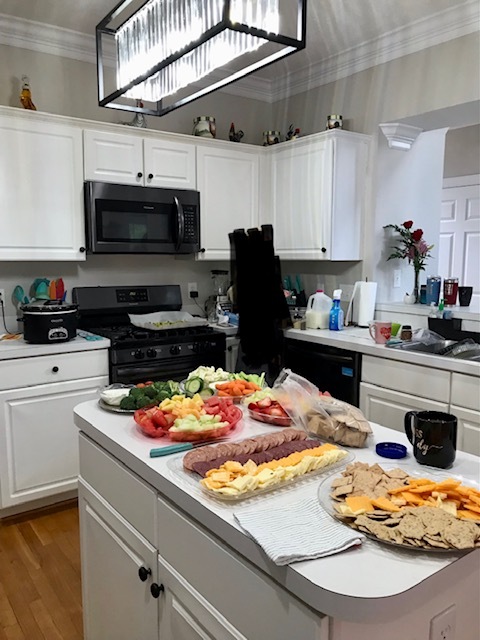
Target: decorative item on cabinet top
[(235, 136), (232, 37), (205, 126), (292, 133), (26, 95)]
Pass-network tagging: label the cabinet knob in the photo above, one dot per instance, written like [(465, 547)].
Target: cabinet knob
[(82, 249), (55, 369), (324, 250), (150, 176), (202, 251), (229, 348), (139, 174), (156, 589), (143, 573)]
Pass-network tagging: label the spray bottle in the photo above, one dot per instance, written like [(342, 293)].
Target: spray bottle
[(336, 312)]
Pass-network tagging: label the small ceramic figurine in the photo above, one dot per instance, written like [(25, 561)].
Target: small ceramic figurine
[(26, 95), (271, 137), (235, 136), (292, 133), (205, 126), (139, 119)]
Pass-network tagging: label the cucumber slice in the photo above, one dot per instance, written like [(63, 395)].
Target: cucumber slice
[(193, 386), (206, 393)]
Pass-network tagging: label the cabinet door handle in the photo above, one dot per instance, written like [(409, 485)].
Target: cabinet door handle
[(139, 174), (156, 589), (82, 249), (324, 250), (150, 176), (55, 369), (143, 573)]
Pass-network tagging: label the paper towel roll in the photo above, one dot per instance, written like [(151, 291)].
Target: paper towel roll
[(364, 296)]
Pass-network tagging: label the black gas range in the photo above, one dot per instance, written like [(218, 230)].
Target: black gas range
[(136, 354)]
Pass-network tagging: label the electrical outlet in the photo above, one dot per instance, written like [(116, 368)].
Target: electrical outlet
[(442, 626), (397, 278), (2, 296), (192, 288)]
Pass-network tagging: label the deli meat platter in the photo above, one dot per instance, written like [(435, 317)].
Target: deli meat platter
[(236, 470)]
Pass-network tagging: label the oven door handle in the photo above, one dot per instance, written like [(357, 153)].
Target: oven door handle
[(180, 224)]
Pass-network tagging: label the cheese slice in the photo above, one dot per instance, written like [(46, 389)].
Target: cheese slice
[(359, 504)]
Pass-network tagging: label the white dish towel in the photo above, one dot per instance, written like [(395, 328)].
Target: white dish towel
[(294, 527)]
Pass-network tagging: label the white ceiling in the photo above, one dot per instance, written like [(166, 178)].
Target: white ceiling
[(343, 36)]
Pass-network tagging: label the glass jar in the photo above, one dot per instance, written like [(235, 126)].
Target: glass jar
[(205, 126), (450, 291)]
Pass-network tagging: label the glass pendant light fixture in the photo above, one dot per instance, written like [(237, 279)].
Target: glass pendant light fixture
[(171, 52)]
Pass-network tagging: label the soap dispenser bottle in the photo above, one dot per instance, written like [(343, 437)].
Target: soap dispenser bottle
[(336, 312)]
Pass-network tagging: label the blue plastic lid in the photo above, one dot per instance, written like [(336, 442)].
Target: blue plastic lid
[(391, 450)]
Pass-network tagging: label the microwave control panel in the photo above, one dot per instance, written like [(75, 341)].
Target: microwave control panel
[(191, 225)]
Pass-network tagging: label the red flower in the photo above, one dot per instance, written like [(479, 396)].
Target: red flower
[(408, 224), (417, 234)]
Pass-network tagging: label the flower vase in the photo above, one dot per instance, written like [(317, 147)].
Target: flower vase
[(416, 288)]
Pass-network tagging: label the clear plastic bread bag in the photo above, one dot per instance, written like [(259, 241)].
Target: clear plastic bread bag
[(321, 415)]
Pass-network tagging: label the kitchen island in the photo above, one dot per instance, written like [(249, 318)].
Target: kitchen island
[(162, 560)]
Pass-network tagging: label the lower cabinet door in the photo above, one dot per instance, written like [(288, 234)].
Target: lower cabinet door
[(117, 604), (468, 430), (185, 614), (388, 407), (38, 439)]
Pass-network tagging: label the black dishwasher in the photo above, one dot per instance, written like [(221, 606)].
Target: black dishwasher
[(329, 368)]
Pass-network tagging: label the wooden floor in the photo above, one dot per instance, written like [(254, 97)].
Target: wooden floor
[(40, 591)]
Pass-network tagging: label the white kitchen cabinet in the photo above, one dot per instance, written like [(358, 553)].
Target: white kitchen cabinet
[(38, 439), (468, 429), (136, 160), (317, 196), (117, 604), (388, 407), (41, 188), (228, 181)]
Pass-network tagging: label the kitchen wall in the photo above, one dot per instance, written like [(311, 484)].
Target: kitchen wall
[(112, 270), (462, 152), (415, 84), (420, 83)]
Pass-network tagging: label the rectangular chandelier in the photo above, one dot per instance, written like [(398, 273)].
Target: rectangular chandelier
[(170, 52)]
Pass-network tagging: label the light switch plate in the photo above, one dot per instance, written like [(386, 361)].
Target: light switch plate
[(442, 626), (397, 278)]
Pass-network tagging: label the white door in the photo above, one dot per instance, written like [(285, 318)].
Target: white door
[(169, 164), (459, 250), (302, 199), (228, 183), (388, 407), (41, 191), (113, 157), (117, 604), (185, 614), (38, 439)]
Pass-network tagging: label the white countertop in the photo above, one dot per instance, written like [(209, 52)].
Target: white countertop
[(369, 583), (465, 313), (356, 339), (10, 349)]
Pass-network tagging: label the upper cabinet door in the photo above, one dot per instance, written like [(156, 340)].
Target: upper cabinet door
[(41, 190), (317, 196), (228, 183), (113, 157), (301, 198), (169, 164)]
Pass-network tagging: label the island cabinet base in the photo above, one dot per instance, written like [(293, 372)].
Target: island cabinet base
[(151, 571)]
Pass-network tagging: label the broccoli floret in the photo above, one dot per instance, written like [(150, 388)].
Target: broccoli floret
[(128, 403), (161, 386), (143, 401), (162, 395), (137, 393), (174, 387), (150, 391)]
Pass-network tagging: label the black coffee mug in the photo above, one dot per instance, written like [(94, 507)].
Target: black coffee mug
[(434, 437), (465, 296)]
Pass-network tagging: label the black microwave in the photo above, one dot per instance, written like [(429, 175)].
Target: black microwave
[(130, 219)]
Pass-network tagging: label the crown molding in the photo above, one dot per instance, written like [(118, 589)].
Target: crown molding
[(447, 25), (452, 23), (399, 135)]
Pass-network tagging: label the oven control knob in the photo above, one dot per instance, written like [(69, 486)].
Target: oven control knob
[(138, 354), (151, 353), (175, 350)]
